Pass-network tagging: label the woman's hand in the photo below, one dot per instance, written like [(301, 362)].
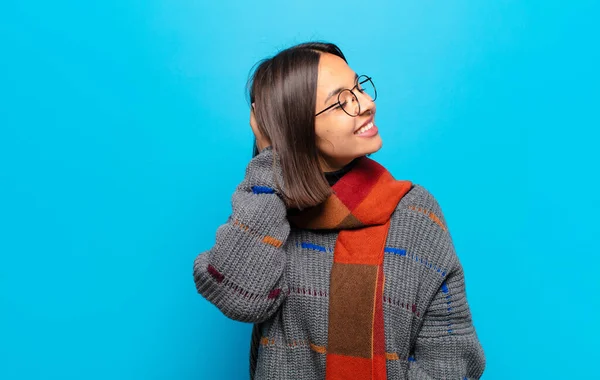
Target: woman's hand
[(261, 140)]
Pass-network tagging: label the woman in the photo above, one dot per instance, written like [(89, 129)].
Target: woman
[(345, 272)]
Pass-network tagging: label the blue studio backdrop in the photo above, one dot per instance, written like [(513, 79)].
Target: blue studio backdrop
[(124, 131)]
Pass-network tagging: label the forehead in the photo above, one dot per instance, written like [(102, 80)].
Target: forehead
[(333, 73)]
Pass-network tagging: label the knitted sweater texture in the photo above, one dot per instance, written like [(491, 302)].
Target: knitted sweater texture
[(263, 271)]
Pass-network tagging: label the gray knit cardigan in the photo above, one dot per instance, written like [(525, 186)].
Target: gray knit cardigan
[(263, 271)]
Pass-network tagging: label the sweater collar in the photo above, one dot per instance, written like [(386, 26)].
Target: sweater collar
[(334, 176)]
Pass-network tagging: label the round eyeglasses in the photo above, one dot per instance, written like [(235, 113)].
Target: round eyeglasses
[(347, 99)]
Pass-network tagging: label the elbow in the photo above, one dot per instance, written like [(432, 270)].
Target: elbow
[(238, 304), (232, 300)]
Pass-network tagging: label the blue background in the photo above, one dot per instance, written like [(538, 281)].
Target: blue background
[(124, 131)]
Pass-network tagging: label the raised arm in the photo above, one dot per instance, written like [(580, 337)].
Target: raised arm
[(243, 273)]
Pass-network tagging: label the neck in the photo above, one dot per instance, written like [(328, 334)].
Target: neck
[(328, 165), (333, 176)]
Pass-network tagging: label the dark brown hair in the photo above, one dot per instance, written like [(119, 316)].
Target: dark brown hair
[(284, 90)]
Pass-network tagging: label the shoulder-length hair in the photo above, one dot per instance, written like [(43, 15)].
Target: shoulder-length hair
[(283, 89)]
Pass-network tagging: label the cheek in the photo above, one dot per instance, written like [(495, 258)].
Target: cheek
[(336, 129), (335, 137)]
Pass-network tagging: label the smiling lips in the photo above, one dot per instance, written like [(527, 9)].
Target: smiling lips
[(367, 131)]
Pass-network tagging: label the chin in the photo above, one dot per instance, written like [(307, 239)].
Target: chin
[(376, 146)]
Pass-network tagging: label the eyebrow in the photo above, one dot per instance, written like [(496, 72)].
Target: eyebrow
[(338, 90)]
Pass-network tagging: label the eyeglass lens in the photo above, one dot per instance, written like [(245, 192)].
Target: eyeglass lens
[(349, 101)]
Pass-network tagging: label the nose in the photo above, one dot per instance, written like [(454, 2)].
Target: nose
[(367, 104)]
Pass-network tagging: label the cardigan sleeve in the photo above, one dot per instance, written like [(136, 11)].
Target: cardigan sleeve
[(446, 345), (243, 273)]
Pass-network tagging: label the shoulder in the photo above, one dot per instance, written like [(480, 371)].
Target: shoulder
[(418, 224), (420, 200)]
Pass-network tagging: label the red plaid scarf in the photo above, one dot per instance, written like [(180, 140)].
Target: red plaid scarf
[(360, 207)]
